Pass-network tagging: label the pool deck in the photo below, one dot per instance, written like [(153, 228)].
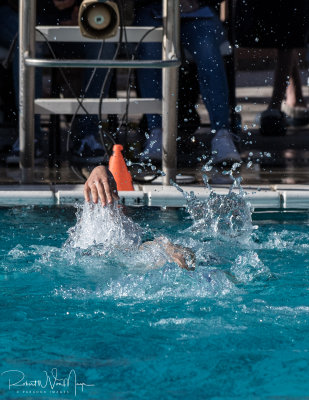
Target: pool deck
[(275, 170)]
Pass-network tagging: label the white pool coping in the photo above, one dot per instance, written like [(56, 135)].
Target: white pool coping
[(263, 197)]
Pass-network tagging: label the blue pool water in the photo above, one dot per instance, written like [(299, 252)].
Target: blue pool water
[(88, 304)]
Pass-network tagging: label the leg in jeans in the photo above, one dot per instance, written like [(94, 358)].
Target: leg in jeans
[(282, 73), (294, 94), (295, 105), (202, 37), (272, 121)]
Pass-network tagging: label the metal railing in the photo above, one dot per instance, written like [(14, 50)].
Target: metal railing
[(28, 106)]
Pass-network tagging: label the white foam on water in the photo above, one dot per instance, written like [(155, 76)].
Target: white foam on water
[(105, 227), (248, 267), (104, 237), (167, 282), (285, 240)]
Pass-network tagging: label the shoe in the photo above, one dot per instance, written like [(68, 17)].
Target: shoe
[(273, 123), (153, 147), (13, 157), (223, 148), (296, 116), (90, 152)]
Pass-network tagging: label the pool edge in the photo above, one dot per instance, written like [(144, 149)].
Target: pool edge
[(260, 197)]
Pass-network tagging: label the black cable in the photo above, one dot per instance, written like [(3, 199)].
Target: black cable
[(62, 73), (107, 149), (7, 61), (102, 92), (79, 100), (77, 172), (124, 118), (126, 45), (122, 21), (82, 98)]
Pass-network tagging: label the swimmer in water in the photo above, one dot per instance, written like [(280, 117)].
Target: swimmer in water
[(101, 186)]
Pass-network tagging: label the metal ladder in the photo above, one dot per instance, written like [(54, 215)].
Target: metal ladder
[(28, 105)]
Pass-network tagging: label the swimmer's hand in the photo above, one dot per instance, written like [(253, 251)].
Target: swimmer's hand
[(101, 185), (182, 256)]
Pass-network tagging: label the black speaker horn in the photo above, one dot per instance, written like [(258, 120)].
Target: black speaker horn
[(98, 19)]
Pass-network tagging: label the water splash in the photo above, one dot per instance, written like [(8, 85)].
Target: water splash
[(165, 283), (248, 267), (150, 273), (107, 231), (103, 227), (220, 215)]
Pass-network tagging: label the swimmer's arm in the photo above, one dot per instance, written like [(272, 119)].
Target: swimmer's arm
[(101, 185), (177, 253)]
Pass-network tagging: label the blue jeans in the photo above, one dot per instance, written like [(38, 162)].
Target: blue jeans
[(202, 38)]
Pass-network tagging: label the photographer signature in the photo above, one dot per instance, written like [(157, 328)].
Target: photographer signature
[(49, 380)]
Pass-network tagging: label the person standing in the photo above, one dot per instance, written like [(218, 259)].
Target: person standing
[(282, 25), (201, 34)]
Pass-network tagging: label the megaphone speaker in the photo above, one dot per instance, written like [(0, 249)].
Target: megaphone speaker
[(98, 19)]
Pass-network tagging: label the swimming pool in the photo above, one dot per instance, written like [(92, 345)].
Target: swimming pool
[(236, 327)]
